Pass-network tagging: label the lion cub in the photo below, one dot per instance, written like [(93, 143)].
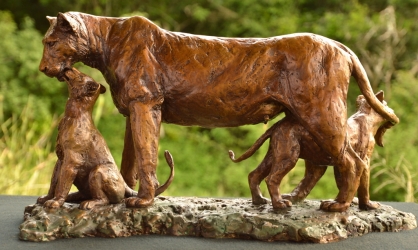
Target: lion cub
[(289, 141), (84, 158)]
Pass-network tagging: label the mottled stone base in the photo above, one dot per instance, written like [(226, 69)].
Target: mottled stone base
[(211, 218)]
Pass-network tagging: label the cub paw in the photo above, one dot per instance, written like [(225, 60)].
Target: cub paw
[(292, 198), (371, 205), (53, 204), (88, 205), (281, 204), (41, 200)]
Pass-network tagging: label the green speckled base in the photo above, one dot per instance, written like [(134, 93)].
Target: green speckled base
[(211, 218)]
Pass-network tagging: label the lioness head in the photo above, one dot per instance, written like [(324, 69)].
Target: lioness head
[(82, 86), (65, 43)]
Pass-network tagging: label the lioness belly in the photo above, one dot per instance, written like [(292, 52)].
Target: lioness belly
[(209, 111)]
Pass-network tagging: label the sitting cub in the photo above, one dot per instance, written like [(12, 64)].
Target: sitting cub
[(84, 158)]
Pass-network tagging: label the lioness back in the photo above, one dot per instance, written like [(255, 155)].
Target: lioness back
[(227, 81)]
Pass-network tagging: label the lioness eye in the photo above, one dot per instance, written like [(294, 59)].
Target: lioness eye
[(51, 44)]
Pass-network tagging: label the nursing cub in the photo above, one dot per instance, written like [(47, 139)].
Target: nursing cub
[(290, 141)]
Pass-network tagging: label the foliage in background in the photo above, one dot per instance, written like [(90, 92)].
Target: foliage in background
[(25, 154), (383, 33)]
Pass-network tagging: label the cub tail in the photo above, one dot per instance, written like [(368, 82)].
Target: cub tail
[(129, 192), (260, 141)]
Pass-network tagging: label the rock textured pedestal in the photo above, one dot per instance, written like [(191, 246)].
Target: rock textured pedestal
[(211, 218)]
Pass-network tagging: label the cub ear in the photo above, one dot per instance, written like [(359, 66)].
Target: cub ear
[(64, 23), (359, 100), (102, 89), (90, 88), (380, 95)]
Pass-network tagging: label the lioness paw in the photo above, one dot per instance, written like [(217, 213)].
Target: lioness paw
[(334, 206), (138, 202)]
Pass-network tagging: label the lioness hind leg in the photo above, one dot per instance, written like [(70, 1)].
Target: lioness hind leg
[(257, 176), (312, 175), (350, 170)]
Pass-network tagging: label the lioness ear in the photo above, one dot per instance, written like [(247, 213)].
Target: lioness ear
[(102, 89), (51, 20), (63, 23), (380, 95)]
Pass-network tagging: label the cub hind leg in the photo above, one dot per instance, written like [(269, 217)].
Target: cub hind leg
[(106, 186), (285, 153), (312, 175), (257, 176)]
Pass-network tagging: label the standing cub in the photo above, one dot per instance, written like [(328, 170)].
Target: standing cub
[(84, 158)]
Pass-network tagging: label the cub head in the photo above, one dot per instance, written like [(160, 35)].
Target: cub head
[(364, 108), (65, 43), (82, 86)]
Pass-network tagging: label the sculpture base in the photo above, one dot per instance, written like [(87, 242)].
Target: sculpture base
[(211, 218)]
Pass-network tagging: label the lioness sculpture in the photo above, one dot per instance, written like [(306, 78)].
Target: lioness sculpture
[(290, 141), (160, 76), (84, 158)]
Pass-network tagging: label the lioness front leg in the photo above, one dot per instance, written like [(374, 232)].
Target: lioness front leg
[(145, 119), (66, 177), (129, 166)]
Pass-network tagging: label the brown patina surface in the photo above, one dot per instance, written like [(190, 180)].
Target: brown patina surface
[(290, 141), (212, 218), (84, 158), (160, 76)]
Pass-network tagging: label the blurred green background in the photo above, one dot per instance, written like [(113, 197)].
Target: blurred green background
[(383, 33)]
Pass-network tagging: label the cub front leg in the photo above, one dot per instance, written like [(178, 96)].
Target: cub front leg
[(66, 177), (145, 119), (363, 191)]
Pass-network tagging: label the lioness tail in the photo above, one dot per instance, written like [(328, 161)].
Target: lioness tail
[(359, 73)]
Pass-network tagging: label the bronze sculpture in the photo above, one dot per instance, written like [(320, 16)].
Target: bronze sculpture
[(84, 158), (161, 76), (290, 141)]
